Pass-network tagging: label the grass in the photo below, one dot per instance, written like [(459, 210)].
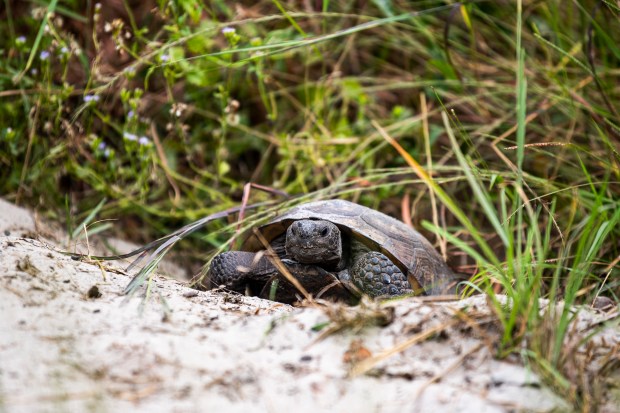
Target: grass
[(494, 126)]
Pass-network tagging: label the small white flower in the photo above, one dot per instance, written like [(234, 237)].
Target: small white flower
[(177, 109), (20, 40), (164, 57), (144, 141), (91, 98), (131, 114), (130, 136), (228, 30), (44, 55), (38, 13)]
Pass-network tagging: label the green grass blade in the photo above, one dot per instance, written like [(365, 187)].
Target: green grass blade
[(289, 18), (88, 219), (521, 92), (35, 47), (481, 195)]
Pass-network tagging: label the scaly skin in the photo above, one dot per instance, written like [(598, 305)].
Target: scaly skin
[(377, 276), (235, 269)]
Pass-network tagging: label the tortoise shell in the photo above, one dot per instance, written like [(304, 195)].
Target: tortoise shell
[(408, 249)]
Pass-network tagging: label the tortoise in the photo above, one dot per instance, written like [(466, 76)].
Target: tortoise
[(337, 250)]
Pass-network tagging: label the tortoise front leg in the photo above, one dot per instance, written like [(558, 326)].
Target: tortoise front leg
[(376, 275), (236, 269)]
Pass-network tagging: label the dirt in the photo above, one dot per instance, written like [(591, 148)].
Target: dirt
[(71, 341)]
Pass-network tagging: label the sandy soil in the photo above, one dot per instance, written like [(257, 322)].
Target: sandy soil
[(69, 341)]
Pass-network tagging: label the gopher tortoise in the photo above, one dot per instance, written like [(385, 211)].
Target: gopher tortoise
[(337, 250)]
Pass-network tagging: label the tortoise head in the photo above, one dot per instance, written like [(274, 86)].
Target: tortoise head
[(314, 242)]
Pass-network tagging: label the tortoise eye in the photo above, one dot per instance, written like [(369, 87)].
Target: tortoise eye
[(294, 229), (324, 232)]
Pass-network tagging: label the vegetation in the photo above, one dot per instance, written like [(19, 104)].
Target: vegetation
[(493, 126)]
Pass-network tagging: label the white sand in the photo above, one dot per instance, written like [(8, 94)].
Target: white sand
[(215, 352)]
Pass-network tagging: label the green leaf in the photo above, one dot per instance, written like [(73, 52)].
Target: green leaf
[(88, 219)]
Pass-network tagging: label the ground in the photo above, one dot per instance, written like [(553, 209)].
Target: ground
[(70, 341)]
